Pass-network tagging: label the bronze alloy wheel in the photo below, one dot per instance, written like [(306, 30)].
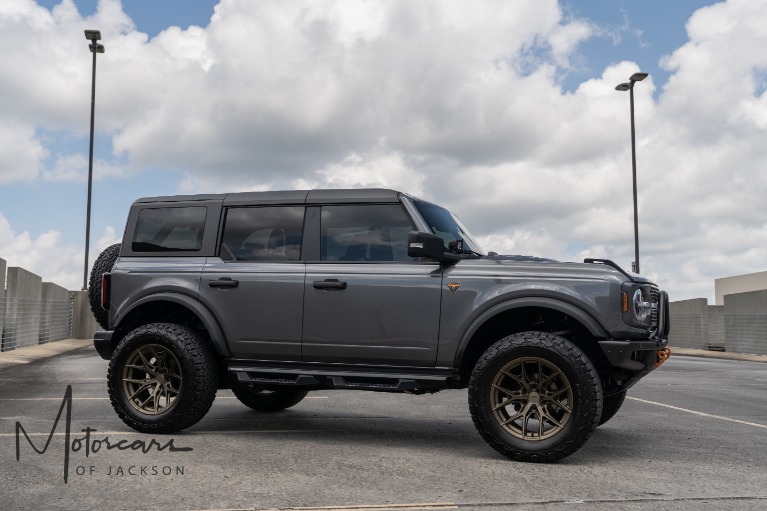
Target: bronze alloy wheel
[(151, 379), (531, 398)]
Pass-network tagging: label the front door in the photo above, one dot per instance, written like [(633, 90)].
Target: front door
[(366, 301)]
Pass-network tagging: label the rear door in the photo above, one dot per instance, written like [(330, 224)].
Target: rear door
[(256, 284), (366, 301)]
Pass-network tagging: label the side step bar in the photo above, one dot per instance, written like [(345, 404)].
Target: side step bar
[(346, 378)]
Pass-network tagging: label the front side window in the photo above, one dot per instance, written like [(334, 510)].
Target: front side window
[(169, 229), (446, 225), (375, 233), (264, 233)]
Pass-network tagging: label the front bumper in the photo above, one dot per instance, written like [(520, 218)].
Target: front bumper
[(103, 343), (633, 355)]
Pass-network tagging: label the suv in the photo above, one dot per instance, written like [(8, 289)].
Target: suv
[(275, 294)]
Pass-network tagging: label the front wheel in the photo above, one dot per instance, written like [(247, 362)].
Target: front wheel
[(535, 396)]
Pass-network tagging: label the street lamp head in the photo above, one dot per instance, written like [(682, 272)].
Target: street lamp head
[(99, 47), (623, 87), (93, 35), (638, 77)]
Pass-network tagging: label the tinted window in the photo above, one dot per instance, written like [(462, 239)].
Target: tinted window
[(446, 225), (365, 233), (169, 229), (264, 234)]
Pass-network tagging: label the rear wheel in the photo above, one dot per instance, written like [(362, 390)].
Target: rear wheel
[(611, 405), (267, 400), (535, 396), (162, 378)]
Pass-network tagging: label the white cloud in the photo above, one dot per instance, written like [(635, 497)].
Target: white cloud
[(48, 255), (74, 168), (20, 153)]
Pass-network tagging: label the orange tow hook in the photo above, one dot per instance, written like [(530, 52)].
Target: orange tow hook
[(662, 356)]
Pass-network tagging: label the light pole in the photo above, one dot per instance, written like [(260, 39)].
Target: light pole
[(636, 77), (93, 36)]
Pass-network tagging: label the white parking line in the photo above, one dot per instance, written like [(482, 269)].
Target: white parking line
[(698, 413)]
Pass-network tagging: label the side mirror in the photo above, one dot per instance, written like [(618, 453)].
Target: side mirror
[(431, 246)]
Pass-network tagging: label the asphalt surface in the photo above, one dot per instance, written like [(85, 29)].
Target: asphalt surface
[(692, 436)]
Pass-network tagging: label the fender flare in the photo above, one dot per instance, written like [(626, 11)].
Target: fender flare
[(583, 317), (195, 307)]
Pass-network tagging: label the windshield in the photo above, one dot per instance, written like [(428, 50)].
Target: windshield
[(447, 226)]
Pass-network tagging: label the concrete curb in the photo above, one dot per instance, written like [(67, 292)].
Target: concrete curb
[(27, 354), (689, 352)]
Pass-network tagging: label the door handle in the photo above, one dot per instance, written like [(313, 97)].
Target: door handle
[(224, 282), (329, 284)]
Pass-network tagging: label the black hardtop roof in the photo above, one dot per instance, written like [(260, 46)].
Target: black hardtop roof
[(330, 196)]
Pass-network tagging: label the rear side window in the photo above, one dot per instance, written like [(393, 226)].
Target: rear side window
[(264, 233), (373, 233), (169, 229)]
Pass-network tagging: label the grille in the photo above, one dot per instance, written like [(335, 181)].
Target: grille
[(655, 301)]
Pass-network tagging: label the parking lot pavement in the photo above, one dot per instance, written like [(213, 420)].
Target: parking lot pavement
[(692, 435)]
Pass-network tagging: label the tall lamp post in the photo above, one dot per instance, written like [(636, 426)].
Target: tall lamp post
[(93, 36), (629, 86)]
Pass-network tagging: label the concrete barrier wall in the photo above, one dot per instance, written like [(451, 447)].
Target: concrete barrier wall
[(32, 311), (55, 313), (2, 300), (745, 322), (738, 326), (83, 323), (689, 323), (716, 334), (23, 306)]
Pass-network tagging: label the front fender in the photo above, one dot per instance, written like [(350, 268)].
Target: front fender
[(583, 317)]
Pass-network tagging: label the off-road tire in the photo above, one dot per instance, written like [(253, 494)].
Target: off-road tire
[(194, 360), (266, 400), (576, 372), (103, 264), (611, 405)]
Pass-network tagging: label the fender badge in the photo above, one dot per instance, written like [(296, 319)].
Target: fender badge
[(453, 286)]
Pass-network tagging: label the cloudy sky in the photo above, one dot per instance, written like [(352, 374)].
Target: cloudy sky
[(506, 112)]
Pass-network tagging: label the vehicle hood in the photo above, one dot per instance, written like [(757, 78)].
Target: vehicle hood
[(514, 263)]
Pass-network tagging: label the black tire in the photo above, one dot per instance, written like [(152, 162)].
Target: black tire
[(558, 377), (611, 405), (104, 263), (267, 400), (184, 367)]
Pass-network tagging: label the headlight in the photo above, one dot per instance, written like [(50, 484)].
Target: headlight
[(638, 305), (641, 307)]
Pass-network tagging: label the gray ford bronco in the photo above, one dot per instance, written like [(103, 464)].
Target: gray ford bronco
[(276, 294)]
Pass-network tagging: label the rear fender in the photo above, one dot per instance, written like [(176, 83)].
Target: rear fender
[(203, 314)]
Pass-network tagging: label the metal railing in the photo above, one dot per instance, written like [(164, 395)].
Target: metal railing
[(26, 322)]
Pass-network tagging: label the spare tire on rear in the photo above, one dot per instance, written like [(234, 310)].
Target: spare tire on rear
[(104, 263)]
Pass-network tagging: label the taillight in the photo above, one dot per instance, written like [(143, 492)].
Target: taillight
[(105, 281)]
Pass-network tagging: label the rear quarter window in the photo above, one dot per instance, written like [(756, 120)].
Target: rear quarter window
[(169, 229)]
